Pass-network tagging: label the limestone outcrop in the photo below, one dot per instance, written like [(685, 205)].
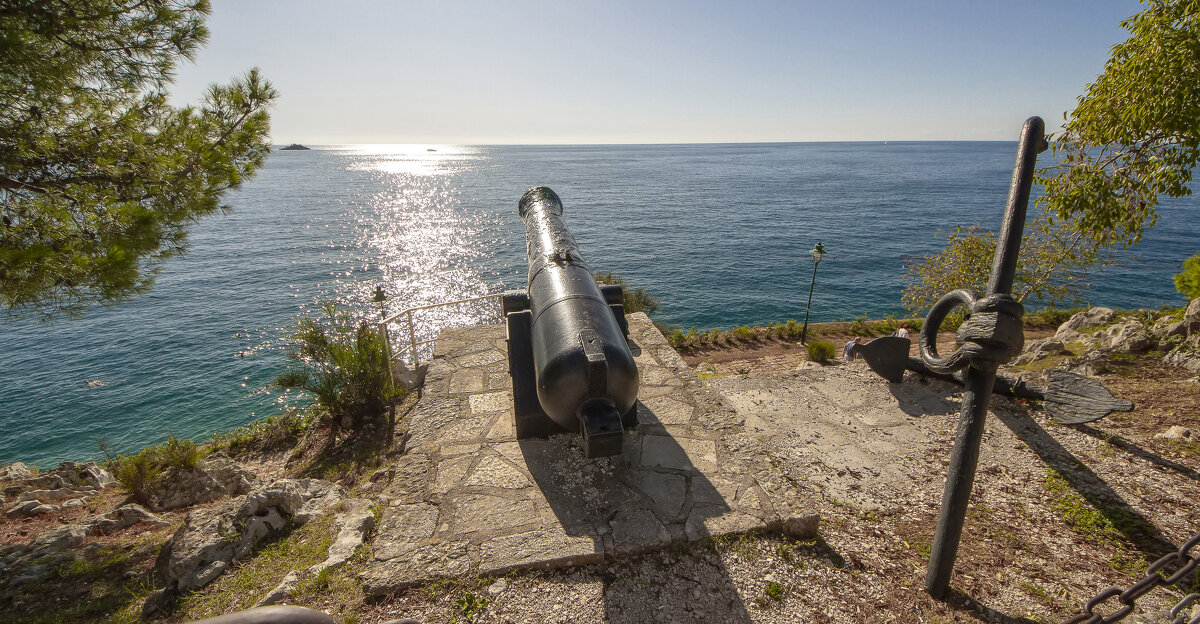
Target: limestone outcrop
[(215, 477), (211, 540), (354, 524), (28, 493), (1039, 349), (1071, 330), (1189, 325), (1130, 337), (36, 561)]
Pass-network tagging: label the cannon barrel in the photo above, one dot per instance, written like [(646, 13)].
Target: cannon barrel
[(585, 376)]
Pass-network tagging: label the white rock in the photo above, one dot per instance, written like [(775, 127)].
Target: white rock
[(1093, 317), (215, 477), (354, 524), (1191, 316), (1130, 337), (210, 540), (1039, 349), (23, 509), (1176, 432), (16, 471), (1184, 358), (123, 517)]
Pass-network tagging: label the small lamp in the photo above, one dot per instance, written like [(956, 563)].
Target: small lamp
[(817, 253)]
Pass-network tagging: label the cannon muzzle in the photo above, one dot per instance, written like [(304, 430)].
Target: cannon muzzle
[(568, 357)]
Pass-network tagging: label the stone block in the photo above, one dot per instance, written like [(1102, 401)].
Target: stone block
[(451, 472), (482, 359), (709, 522), (491, 402), (492, 471), (662, 451), (669, 411), (797, 527), (636, 531), (403, 528), (666, 491), (547, 547), (504, 429), (464, 382), (482, 512)]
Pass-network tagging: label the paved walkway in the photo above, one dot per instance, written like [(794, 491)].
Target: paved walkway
[(468, 497)]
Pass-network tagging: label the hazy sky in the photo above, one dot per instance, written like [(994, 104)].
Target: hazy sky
[(644, 71)]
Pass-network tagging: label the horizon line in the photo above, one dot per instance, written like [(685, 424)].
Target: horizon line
[(449, 144)]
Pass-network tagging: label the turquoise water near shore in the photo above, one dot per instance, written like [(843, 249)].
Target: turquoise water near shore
[(719, 233)]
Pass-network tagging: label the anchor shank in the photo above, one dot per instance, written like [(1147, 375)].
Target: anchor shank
[(981, 374), (1008, 246), (959, 480)]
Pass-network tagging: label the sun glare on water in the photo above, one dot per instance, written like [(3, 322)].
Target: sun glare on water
[(423, 237)]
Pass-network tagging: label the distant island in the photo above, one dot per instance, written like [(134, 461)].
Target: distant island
[(295, 146)]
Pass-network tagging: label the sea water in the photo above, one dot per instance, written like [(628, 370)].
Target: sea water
[(720, 234)]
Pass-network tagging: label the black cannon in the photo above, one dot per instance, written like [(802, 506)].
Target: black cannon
[(570, 364)]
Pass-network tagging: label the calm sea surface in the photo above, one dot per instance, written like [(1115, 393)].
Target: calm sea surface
[(719, 233)]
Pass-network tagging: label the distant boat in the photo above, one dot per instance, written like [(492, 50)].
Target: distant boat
[(430, 149), (295, 146)]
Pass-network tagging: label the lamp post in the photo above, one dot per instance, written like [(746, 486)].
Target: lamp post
[(817, 252), (379, 298)]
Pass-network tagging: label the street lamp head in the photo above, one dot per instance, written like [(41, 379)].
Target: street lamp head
[(818, 252), (380, 296)]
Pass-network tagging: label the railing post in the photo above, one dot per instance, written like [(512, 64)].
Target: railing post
[(387, 353), (412, 338)]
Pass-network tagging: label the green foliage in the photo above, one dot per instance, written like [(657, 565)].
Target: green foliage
[(635, 299), (99, 175), (745, 333), (1055, 262), (269, 434), (343, 364), (1093, 520), (239, 588), (1135, 134), (774, 591), (1188, 280), (820, 350), (140, 472), (1049, 318), (469, 606)]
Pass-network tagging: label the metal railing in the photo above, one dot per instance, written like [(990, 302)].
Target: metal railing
[(407, 314)]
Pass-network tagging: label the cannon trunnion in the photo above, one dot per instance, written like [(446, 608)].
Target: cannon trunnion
[(570, 364)]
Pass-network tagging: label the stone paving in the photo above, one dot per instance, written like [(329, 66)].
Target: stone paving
[(469, 498)]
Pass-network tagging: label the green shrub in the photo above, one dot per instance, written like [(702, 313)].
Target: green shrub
[(344, 366), (181, 454), (136, 473), (269, 434), (1050, 317), (1188, 280), (820, 351), (140, 472), (745, 333), (635, 299)]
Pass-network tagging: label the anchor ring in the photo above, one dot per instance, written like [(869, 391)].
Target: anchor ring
[(933, 324)]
